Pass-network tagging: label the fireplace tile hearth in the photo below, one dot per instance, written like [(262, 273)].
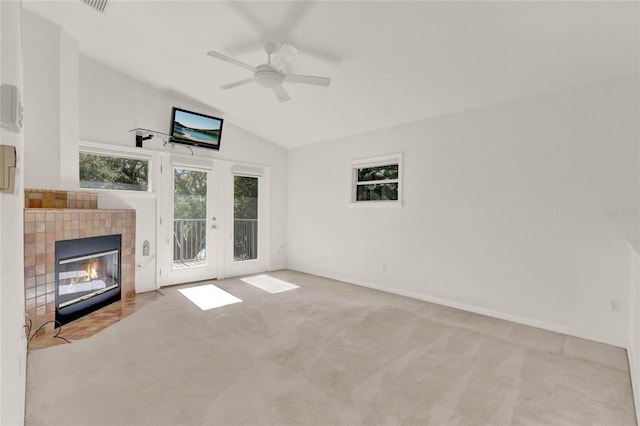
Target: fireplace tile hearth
[(95, 322)]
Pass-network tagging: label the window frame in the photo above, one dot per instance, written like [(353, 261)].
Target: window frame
[(119, 152), (363, 163)]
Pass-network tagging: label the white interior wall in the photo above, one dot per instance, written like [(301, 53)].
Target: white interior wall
[(51, 92), (69, 112), (514, 210), (42, 93), (13, 350), (145, 207)]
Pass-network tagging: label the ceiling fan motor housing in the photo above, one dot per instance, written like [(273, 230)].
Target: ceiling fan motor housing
[(268, 77)]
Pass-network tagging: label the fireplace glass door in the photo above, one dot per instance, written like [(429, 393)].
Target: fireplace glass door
[(87, 275), (83, 277)]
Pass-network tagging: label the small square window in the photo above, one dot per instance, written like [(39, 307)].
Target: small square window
[(376, 180)]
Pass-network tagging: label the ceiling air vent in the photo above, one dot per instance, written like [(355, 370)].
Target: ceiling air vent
[(98, 5)]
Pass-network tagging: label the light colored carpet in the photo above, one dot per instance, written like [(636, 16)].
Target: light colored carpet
[(327, 353)]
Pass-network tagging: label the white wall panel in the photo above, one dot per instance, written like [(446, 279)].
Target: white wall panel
[(520, 210)]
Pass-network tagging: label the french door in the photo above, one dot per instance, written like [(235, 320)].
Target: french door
[(248, 232), (189, 222)]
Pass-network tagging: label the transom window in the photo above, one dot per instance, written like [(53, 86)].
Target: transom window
[(376, 179), (105, 171)]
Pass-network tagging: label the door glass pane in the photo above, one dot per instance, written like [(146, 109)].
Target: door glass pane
[(189, 218), (245, 218)]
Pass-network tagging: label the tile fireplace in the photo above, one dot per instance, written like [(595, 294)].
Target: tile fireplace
[(49, 230)]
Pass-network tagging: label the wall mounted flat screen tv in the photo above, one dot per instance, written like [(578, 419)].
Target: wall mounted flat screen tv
[(197, 129)]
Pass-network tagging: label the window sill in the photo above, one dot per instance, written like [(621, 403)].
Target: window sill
[(376, 204), (120, 193), (244, 261)]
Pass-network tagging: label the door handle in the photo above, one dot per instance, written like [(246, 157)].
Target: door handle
[(214, 226)]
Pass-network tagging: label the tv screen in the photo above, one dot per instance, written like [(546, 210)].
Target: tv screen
[(195, 129)]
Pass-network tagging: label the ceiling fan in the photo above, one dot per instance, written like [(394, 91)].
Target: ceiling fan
[(271, 75)]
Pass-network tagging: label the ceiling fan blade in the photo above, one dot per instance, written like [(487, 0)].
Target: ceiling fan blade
[(307, 79), (229, 59), (281, 94), (237, 83), (283, 55)]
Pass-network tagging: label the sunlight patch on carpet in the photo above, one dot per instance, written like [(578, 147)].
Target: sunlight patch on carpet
[(208, 296), (270, 284)]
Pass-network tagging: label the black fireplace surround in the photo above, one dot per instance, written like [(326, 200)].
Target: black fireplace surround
[(87, 275)]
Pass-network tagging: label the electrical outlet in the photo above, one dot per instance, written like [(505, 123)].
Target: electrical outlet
[(26, 328), (614, 305)]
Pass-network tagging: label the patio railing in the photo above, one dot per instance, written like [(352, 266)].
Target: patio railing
[(189, 242), (245, 239), (189, 239)]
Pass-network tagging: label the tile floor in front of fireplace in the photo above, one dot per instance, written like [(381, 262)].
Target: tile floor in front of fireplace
[(95, 322)]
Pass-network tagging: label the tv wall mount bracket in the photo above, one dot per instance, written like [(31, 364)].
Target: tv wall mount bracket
[(146, 134), (140, 138)]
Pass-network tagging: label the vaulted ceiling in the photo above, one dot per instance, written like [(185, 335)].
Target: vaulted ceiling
[(390, 61)]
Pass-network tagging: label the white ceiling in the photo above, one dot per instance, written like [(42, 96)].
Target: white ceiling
[(390, 62)]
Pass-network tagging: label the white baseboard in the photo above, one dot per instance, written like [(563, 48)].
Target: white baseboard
[(464, 306), (457, 305)]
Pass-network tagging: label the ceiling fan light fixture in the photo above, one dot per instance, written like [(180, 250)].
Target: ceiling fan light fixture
[(268, 77)]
